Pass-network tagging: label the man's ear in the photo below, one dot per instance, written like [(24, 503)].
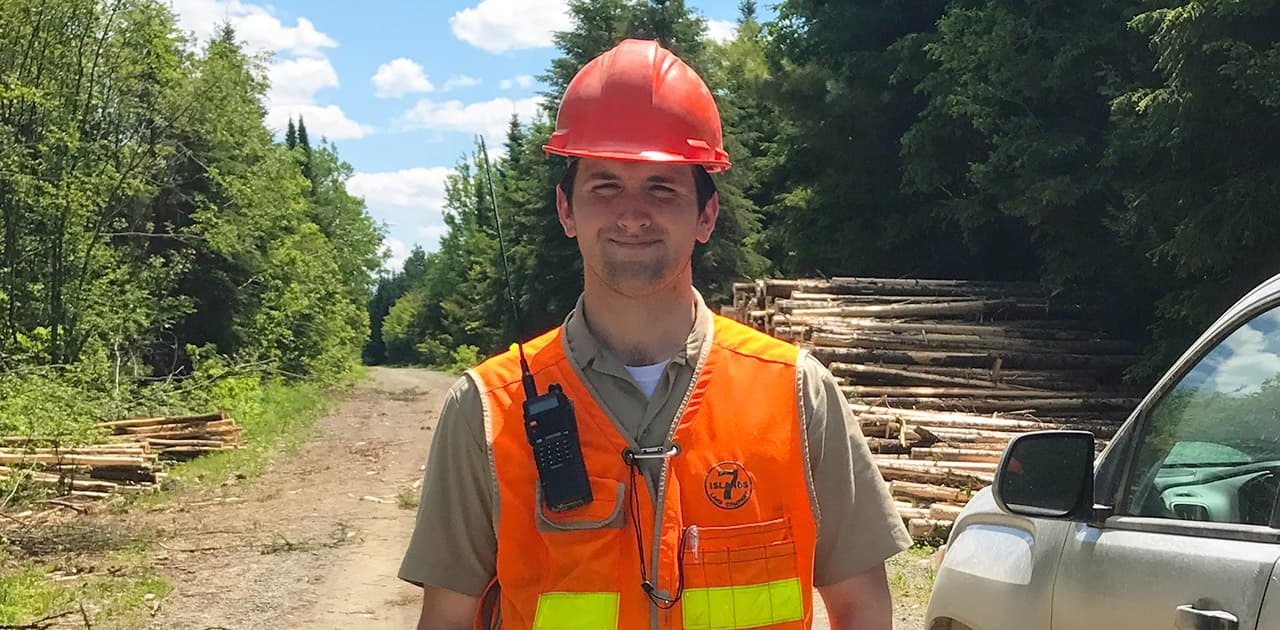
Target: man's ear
[(565, 211), (707, 218)]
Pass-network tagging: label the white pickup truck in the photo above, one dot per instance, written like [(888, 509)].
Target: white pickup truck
[(1175, 525)]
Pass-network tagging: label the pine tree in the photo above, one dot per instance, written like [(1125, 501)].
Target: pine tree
[(598, 26), (1196, 156), (674, 26), (303, 142), (291, 135), (835, 171), (533, 235), (389, 290)]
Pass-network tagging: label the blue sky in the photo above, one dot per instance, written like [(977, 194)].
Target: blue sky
[(402, 88)]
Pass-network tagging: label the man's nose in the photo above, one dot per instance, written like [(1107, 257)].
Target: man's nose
[(634, 217)]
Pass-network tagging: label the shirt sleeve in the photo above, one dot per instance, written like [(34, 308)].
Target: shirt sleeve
[(859, 526), (454, 545)]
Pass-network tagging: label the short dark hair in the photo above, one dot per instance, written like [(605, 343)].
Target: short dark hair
[(704, 185)]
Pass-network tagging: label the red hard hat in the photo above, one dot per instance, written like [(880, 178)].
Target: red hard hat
[(639, 102)]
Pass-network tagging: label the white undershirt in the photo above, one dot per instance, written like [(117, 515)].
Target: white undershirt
[(646, 376)]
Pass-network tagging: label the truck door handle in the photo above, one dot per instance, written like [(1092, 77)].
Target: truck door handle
[(1191, 618)]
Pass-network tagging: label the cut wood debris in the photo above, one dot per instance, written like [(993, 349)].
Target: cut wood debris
[(942, 374), (129, 462)]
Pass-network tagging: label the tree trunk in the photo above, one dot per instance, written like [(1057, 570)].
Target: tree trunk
[(945, 511), (1017, 360), (1037, 329), (931, 341), (1068, 406), (1079, 379), (884, 286), (957, 454), (929, 492), (895, 374), (968, 307), (875, 391), (925, 528), (76, 460), (163, 420)]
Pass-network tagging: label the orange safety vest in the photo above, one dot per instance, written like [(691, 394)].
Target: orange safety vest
[(737, 526)]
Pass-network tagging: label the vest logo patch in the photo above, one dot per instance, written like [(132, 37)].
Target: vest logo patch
[(728, 485)]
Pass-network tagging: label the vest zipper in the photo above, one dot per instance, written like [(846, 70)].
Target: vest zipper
[(660, 506)]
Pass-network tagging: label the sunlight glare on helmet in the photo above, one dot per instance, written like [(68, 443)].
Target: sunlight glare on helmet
[(657, 156)]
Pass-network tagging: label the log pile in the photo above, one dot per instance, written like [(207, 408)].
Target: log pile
[(129, 462), (178, 437), (942, 374), (87, 472)]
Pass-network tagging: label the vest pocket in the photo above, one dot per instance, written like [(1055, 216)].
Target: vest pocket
[(605, 511), (742, 576)]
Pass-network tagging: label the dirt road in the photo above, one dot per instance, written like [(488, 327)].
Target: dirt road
[(316, 541)]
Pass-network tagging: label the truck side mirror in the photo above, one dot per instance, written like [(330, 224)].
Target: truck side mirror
[(1047, 474)]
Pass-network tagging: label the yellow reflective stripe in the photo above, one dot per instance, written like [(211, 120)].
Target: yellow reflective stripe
[(576, 611), (737, 607)]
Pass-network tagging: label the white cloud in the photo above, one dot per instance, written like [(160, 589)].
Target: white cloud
[(396, 252), (1254, 359), (299, 68), (413, 188), (296, 81), (328, 121), (722, 31), (409, 201), (264, 31), (501, 25), (523, 82), (488, 117), (432, 233), (460, 81), (255, 25), (398, 77)]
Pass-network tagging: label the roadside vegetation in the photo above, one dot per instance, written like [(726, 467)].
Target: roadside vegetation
[(163, 251)]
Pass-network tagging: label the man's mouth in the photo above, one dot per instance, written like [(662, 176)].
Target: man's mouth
[(633, 244)]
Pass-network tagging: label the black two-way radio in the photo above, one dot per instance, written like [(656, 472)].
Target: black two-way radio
[(549, 422)]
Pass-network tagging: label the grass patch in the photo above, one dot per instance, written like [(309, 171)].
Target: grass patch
[(25, 595), (407, 499), (113, 594), (110, 573), (911, 576), (341, 533), (275, 421)]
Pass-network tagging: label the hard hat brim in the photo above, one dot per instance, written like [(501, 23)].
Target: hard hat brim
[(662, 157)]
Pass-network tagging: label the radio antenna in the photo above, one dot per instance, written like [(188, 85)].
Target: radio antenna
[(530, 388)]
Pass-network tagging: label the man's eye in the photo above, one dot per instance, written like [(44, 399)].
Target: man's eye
[(606, 189), (664, 192)]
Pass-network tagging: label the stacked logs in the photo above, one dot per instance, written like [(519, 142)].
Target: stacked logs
[(178, 437), (88, 472), (934, 461), (942, 374), (130, 460)]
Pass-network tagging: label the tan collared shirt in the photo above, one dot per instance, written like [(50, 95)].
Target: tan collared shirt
[(454, 545)]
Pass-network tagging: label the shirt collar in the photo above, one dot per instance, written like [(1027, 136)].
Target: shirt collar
[(586, 350)]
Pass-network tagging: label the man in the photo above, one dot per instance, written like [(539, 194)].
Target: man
[(724, 487)]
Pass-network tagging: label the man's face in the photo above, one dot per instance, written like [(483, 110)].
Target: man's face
[(636, 222)]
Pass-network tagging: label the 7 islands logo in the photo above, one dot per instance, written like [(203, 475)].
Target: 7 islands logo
[(728, 485)]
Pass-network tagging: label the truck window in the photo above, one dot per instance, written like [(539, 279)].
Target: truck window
[(1210, 450)]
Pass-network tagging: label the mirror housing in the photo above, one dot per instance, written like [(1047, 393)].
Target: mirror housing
[(1047, 474)]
